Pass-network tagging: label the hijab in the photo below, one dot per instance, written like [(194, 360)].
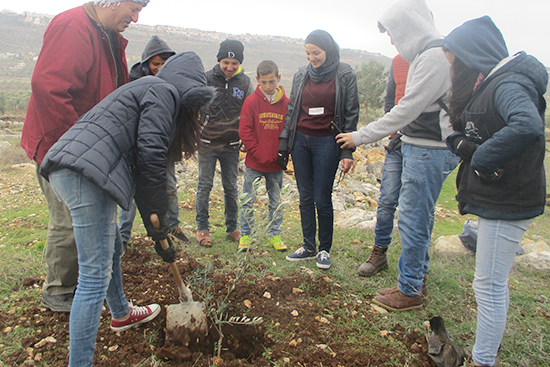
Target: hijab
[(327, 71)]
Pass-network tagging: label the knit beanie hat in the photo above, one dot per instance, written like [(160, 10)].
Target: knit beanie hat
[(232, 49), (106, 3)]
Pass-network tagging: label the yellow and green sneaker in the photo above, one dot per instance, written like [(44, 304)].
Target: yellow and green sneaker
[(277, 243), (244, 242)]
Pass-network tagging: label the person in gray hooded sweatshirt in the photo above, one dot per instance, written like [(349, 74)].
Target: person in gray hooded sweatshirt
[(424, 124), (154, 56)]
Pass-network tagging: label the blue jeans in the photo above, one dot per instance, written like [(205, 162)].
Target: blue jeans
[(389, 198), (229, 164), (424, 171), (315, 162), (497, 242), (99, 249), (126, 217), (273, 184)]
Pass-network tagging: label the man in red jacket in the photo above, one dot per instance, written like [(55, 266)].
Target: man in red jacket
[(262, 119), (82, 60)]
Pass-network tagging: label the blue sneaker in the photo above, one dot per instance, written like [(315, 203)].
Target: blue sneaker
[(323, 260), (301, 254)]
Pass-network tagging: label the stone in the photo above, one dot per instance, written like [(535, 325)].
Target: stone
[(534, 260), (535, 246), (450, 244), (356, 218)]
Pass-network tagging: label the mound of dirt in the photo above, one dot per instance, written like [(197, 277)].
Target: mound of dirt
[(297, 328)]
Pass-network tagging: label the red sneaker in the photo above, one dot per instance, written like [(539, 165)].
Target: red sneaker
[(138, 315)]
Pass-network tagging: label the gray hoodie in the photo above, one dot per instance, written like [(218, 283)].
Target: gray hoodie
[(410, 25)]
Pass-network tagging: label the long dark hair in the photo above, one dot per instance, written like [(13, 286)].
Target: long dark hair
[(464, 80), (187, 139)]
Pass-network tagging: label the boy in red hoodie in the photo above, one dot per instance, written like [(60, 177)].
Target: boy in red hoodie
[(262, 118)]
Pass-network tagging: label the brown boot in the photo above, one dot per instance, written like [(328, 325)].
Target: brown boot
[(376, 262), (398, 301), (386, 291)]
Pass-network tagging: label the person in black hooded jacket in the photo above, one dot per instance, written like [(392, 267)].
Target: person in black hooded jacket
[(220, 140), (120, 148), (497, 110), (154, 55)]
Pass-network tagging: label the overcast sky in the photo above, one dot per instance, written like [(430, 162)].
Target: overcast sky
[(352, 23)]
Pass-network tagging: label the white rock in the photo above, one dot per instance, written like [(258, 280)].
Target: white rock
[(532, 246), (355, 218), (535, 260), (378, 309), (450, 244)]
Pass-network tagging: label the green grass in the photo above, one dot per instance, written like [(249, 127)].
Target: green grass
[(24, 218)]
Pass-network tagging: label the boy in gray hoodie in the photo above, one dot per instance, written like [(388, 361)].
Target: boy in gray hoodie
[(421, 118)]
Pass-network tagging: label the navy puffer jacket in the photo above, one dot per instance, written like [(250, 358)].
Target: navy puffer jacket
[(125, 138)]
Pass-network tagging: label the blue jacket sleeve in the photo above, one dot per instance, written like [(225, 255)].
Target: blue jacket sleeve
[(516, 100)]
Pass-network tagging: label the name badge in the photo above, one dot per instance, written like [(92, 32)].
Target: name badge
[(316, 111)]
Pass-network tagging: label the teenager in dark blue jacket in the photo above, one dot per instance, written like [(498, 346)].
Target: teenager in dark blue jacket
[(121, 147), (497, 110)]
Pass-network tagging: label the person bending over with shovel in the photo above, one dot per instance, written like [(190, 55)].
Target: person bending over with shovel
[(118, 149)]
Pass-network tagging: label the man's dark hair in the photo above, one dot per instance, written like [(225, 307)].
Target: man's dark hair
[(267, 67)]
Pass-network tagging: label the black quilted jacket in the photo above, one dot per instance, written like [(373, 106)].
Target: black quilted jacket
[(123, 141)]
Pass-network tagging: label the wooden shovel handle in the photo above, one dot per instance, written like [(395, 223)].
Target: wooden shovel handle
[(185, 293)]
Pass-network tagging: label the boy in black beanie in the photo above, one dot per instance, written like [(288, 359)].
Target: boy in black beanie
[(220, 139)]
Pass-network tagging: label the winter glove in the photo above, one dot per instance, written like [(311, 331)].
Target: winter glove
[(282, 159), (459, 144), (155, 233), (168, 255)]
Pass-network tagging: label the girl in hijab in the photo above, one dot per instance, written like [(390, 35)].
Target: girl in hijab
[(497, 110), (118, 149), (323, 101)]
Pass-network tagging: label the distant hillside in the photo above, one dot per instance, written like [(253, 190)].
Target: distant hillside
[(20, 46)]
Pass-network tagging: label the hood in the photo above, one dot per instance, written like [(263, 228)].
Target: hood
[(411, 26), (526, 65), (478, 43), (154, 47), (186, 73)]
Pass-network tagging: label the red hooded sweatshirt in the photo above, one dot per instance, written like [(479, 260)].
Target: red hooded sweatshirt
[(259, 129)]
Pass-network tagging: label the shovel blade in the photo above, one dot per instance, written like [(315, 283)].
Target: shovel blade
[(185, 321)]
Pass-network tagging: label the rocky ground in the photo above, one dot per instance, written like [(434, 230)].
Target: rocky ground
[(292, 315), (292, 319)]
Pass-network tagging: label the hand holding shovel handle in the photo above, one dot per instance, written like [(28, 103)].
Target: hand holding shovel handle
[(185, 292)]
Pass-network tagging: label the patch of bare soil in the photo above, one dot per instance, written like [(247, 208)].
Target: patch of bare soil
[(310, 336)]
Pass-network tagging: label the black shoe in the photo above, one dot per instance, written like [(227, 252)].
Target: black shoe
[(58, 303), (179, 235)]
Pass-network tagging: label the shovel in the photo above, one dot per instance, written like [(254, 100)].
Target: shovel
[(186, 320)]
